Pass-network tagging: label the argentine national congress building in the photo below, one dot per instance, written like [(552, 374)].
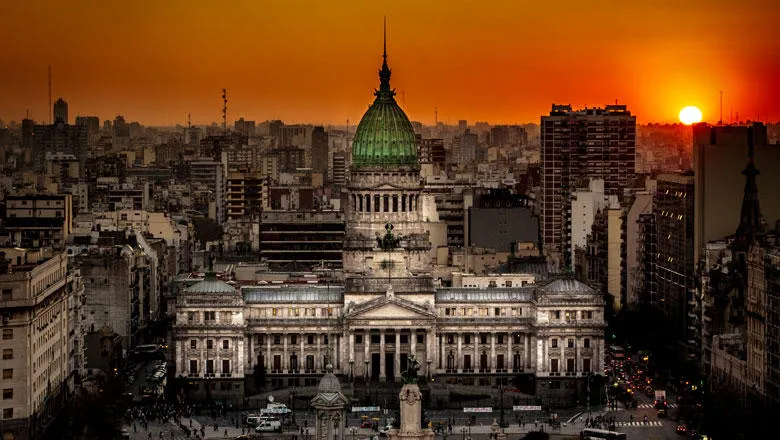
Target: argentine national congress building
[(389, 307)]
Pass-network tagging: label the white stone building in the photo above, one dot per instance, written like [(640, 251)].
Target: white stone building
[(389, 306)]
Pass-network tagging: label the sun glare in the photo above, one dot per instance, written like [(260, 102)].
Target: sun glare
[(690, 115)]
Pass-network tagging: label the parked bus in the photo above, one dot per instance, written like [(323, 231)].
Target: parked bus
[(601, 434)]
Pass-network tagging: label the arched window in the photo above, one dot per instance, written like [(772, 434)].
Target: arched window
[(360, 203)]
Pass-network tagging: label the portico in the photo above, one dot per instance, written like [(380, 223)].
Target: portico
[(383, 333)]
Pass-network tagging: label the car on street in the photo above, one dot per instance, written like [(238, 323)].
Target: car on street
[(682, 429), (661, 413)]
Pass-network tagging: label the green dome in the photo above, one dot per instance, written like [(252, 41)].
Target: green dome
[(385, 137)]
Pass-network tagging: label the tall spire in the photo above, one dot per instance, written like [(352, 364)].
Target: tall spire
[(750, 214), (384, 92)]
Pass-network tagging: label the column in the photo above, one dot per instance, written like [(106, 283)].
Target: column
[(366, 354), (509, 362), (352, 346), (285, 359), (413, 345), (397, 367), (526, 359), (492, 352), (268, 362), (318, 360), (302, 356), (475, 363), (382, 373), (577, 361), (459, 360)]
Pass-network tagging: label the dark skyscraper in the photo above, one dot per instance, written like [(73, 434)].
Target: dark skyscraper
[(578, 146), (673, 209), (61, 111), (319, 152)]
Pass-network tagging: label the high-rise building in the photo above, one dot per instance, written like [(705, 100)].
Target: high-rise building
[(38, 220), (675, 266), (719, 154), (60, 111), (319, 151), (245, 128), (578, 146)]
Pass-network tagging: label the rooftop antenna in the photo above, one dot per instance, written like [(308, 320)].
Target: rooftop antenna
[(189, 122), (224, 111), (720, 122), (51, 110), (435, 116)]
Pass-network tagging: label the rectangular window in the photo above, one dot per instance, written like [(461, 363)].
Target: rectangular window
[(193, 366), (8, 413), (586, 365), (467, 339), (8, 393), (570, 365), (261, 339), (310, 339), (8, 294), (8, 353), (420, 339), (277, 339), (8, 333), (325, 339), (500, 339), (8, 373), (225, 344), (554, 342), (209, 344), (210, 316), (190, 317), (586, 342), (193, 344), (225, 365), (450, 339), (483, 339), (570, 342), (508, 283), (517, 338), (553, 365), (358, 339), (497, 311), (375, 339), (210, 366), (293, 339)]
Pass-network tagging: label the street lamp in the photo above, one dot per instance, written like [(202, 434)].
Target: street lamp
[(292, 405), (463, 431), (501, 396), (351, 370), (365, 370), (430, 376), (353, 430)]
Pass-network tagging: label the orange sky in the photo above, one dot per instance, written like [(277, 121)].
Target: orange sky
[(316, 61)]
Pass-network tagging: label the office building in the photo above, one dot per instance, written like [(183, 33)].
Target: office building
[(38, 220), (673, 207), (319, 152)]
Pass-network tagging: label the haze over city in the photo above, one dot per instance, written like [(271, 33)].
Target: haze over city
[(315, 62)]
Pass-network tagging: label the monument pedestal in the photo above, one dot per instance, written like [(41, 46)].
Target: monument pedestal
[(411, 414)]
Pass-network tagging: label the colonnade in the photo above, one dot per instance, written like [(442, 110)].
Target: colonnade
[(372, 202)]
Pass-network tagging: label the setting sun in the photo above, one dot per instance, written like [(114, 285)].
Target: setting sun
[(690, 115)]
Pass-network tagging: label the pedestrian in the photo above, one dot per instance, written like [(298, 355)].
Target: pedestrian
[(135, 428), (149, 435), (226, 433), (190, 423)]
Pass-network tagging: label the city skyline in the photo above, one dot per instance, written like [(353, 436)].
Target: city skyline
[(307, 63)]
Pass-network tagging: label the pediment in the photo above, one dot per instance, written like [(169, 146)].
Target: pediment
[(390, 308), (387, 186)]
